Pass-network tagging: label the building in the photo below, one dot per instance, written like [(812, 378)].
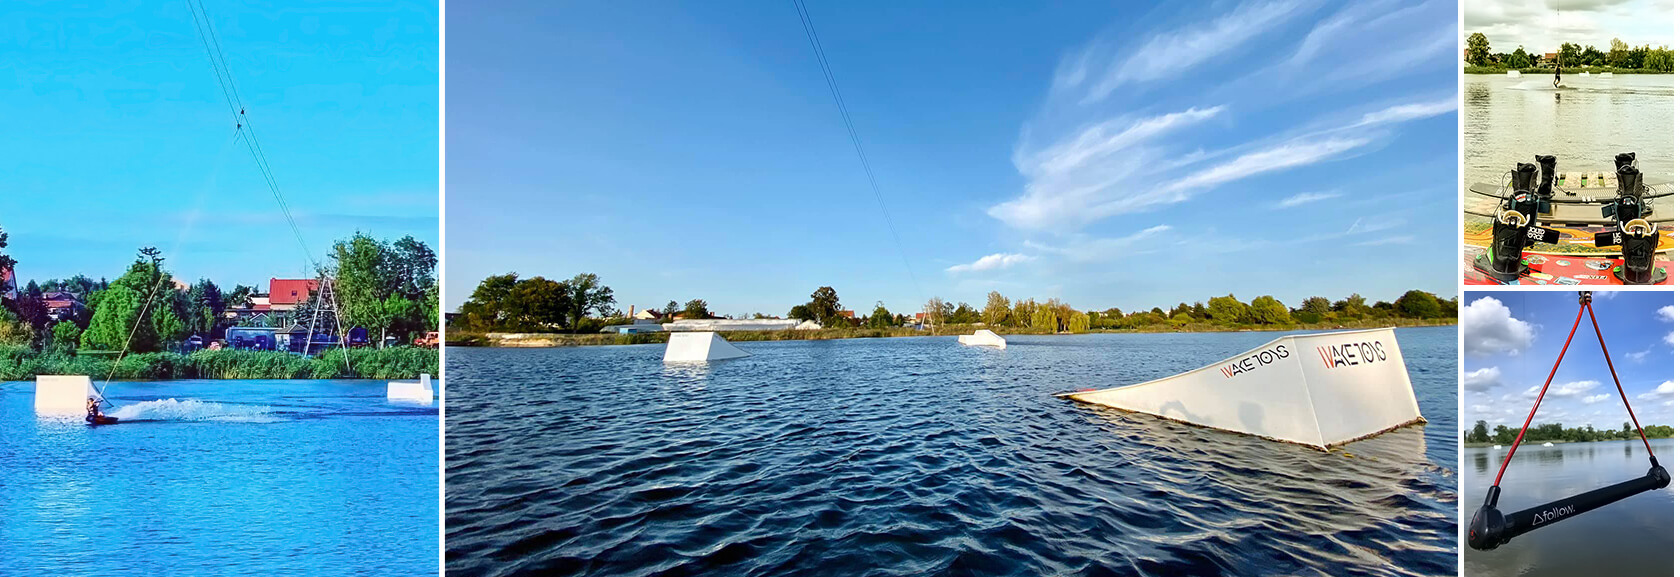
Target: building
[(287, 294), (647, 314), (61, 305)]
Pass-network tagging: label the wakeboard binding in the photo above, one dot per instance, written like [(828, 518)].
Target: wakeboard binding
[(1637, 237), (1548, 176), (1515, 228)]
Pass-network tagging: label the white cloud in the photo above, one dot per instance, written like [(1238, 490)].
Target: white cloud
[(1170, 53), (1638, 357), (1279, 157), (997, 261), (1573, 388), (1412, 111), (1307, 197), (1590, 399), (1667, 314), (1480, 380), (1083, 249), (1663, 391), (1489, 329)]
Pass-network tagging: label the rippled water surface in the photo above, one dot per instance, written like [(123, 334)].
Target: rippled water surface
[(1510, 119), (1634, 536), (221, 478), (918, 456)]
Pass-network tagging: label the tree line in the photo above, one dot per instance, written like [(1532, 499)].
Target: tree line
[(507, 303), (388, 288), (1479, 53), (1503, 435)]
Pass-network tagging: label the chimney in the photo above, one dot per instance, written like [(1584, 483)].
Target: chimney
[(632, 311)]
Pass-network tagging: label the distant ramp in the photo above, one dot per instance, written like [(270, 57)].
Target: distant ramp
[(1318, 390), (983, 338), (699, 347)]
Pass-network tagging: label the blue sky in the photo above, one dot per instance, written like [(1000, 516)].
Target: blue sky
[(119, 136), (1512, 338), (1108, 154)]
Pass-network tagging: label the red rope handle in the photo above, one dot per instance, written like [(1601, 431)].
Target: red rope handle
[(1618, 380), (1542, 395)]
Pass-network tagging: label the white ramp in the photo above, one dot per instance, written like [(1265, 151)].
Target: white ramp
[(418, 391), (1318, 390), (63, 394), (982, 338), (698, 346)]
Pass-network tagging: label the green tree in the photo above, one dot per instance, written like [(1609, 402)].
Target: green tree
[(65, 337), (880, 318), (13, 332), (362, 278), (1569, 54), (997, 309), (1477, 50), (535, 302), (1518, 59), (935, 311), (1227, 309), (671, 309), (964, 315), (1419, 304), (1591, 57), (414, 265), (1352, 307), (1267, 310), (488, 308), (1479, 433), (802, 313), (1316, 305), (587, 296), (825, 305), (696, 309), (1617, 57)]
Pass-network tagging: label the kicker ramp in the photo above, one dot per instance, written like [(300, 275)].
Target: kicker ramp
[(63, 394), (982, 338), (700, 346), (416, 391), (1319, 390)]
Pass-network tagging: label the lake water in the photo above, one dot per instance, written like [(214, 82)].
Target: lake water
[(221, 478), (1634, 536), (919, 456), (1509, 120)]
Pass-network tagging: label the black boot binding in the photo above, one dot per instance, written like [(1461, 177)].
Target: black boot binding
[(1514, 229), (1637, 238), (1489, 528), (1548, 172)]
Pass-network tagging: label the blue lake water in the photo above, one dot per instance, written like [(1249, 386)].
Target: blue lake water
[(919, 456), (221, 478)]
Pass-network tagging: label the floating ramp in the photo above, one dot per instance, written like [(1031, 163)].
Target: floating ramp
[(983, 338), (700, 347), (63, 394), (416, 391), (1318, 390)]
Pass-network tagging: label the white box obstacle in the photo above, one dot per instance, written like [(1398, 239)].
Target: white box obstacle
[(420, 390), (687, 347), (1319, 390), (63, 393), (982, 338)]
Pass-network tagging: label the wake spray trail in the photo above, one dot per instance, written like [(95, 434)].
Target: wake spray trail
[(194, 410)]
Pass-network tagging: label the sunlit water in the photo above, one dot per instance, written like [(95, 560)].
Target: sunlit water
[(1634, 536), (221, 478), (917, 456)]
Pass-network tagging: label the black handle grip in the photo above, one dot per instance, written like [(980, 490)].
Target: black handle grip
[(1489, 529)]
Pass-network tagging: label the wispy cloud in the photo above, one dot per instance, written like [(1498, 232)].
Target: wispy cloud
[(1306, 198), (1084, 249), (1411, 111), (997, 261), (1171, 53)]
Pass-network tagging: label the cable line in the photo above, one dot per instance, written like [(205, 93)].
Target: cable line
[(851, 130)]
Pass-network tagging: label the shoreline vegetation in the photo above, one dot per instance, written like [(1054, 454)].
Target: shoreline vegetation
[(171, 329), (1481, 435), (1594, 70), (1479, 58), (508, 311), (22, 364)]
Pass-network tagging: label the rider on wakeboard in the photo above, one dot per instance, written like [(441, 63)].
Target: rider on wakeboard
[(1557, 76), (94, 414)]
